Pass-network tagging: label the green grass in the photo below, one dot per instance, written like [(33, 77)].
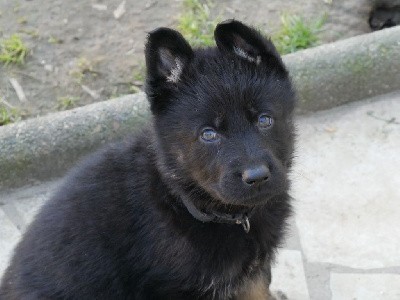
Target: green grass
[(54, 40), (297, 33), (8, 115), (22, 20), (139, 73), (196, 24), (32, 32), (13, 50), (67, 102), (82, 67), (138, 78)]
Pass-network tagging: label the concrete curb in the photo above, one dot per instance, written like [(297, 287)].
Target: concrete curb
[(43, 148), (325, 76), (349, 70)]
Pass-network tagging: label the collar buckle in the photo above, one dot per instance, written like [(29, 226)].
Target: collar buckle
[(245, 223)]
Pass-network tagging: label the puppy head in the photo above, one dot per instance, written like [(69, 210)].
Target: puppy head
[(223, 115)]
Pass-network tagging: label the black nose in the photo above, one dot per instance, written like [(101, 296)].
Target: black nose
[(256, 175)]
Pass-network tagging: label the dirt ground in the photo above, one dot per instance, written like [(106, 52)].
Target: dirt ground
[(81, 51)]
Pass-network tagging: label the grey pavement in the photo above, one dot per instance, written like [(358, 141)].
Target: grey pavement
[(344, 240)]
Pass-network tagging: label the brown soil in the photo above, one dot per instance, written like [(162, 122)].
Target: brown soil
[(80, 50)]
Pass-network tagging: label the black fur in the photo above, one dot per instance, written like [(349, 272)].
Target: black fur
[(117, 228), (385, 16)]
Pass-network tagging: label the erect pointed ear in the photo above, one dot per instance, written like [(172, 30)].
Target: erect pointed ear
[(167, 52), (246, 42)]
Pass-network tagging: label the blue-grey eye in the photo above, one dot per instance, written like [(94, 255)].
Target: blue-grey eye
[(265, 121), (209, 135)]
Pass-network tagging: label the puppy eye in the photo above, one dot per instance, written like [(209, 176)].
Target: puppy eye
[(209, 135), (265, 121)]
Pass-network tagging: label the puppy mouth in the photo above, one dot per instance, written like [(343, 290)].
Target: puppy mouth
[(260, 198), (255, 200)]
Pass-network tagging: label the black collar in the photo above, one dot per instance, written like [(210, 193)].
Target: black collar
[(240, 218)]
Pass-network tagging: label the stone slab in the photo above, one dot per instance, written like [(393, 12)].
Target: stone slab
[(365, 286), (9, 236), (28, 206), (292, 240), (288, 275), (346, 184), (22, 204)]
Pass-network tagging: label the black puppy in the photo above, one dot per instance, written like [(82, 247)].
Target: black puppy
[(193, 207)]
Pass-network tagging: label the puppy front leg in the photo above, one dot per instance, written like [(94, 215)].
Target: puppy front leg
[(258, 288)]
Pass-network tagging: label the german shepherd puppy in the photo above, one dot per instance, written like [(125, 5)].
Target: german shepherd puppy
[(194, 206)]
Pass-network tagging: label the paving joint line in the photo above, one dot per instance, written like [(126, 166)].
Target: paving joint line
[(14, 216)]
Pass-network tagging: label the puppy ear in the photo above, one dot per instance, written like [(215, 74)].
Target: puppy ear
[(167, 52), (245, 42)]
